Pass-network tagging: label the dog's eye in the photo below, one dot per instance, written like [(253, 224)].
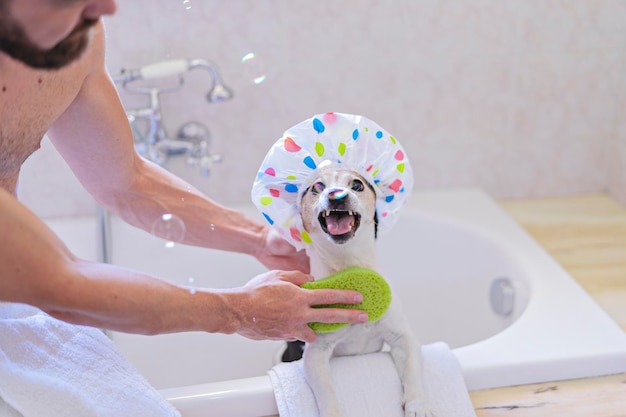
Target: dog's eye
[(357, 185), (317, 187)]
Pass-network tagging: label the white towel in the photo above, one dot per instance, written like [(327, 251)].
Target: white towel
[(52, 368), (369, 386)]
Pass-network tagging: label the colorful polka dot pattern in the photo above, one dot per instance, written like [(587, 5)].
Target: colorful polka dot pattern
[(347, 141)]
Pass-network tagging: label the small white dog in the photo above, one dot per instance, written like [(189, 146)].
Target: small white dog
[(339, 213)]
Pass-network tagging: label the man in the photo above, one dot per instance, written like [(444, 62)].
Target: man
[(53, 80)]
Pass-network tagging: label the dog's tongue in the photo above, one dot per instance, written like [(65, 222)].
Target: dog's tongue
[(339, 225)]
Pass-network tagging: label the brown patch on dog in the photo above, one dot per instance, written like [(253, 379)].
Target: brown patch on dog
[(336, 203)]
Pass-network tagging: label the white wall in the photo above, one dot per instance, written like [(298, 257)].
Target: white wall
[(522, 98)]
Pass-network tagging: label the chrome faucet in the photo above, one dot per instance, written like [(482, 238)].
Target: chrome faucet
[(193, 138)]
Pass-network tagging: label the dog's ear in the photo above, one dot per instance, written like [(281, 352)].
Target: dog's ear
[(375, 224), (306, 191), (371, 187)]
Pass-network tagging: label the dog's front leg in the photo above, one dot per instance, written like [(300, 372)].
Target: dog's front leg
[(316, 362), (406, 353)]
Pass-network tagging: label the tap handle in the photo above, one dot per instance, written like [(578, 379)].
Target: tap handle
[(207, 162), (164, 69)]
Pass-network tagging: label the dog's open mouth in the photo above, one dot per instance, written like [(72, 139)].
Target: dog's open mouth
[(339, 224)]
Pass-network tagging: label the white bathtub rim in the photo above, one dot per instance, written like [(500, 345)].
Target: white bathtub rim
[(246, 397)]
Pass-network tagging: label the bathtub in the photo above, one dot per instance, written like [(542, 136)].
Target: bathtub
[(465, 272)]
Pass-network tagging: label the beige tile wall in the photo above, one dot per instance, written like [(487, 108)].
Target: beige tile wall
[(522, 98)]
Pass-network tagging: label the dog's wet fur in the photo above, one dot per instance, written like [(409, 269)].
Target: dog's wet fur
[(338, 212)]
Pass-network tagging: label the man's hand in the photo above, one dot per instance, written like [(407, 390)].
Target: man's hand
[(279, 254), (273, 306)]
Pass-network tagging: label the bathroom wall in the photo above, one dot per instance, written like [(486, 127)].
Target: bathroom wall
[(618, 164), (523, 98)]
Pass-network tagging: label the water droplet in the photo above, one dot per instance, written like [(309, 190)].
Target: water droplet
[(169, 227), (192, 291), (253, 319), (190, 279), (212, 226), (253, 67)]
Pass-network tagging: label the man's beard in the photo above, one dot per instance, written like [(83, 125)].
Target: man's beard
[(15, 43)]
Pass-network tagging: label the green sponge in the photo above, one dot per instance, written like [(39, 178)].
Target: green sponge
[(375, 290)]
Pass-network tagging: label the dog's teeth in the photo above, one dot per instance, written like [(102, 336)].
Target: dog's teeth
[(327, 213), (350, 212)]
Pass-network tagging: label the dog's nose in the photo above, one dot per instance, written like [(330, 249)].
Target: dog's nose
[(337, 194)]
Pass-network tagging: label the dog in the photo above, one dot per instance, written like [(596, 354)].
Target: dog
[(338, 211)]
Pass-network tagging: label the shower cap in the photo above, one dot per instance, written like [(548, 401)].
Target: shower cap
[(332, 139)]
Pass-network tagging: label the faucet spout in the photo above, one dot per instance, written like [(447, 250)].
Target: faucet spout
[(219, 92)]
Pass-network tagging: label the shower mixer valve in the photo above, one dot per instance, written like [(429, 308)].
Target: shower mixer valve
[(193, 138)]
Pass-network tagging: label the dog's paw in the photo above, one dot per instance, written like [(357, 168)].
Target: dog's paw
[(418, 408)]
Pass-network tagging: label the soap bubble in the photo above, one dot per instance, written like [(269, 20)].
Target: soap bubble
[(254, 69), (192, 290), (169, 227), (187, 4)]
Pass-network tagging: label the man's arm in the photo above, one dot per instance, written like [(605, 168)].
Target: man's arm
[(37, 268), (94, 137)]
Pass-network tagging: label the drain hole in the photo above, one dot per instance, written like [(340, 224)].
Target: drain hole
[(502, 297)]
